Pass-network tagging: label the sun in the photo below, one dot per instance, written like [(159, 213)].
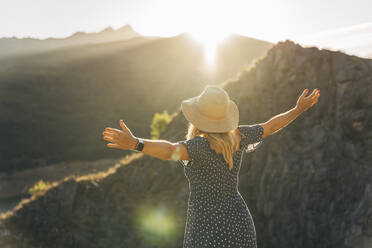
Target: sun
[(210, 41)]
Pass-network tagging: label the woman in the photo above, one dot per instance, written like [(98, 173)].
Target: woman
[(211, 155)]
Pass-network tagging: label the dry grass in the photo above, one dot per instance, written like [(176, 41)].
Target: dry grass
[(100, 175), (93, 177)]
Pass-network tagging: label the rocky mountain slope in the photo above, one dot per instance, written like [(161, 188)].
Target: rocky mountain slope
[(307, 186)]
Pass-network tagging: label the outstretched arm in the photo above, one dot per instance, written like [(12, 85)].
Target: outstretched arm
[(125, 140), (281, 120)]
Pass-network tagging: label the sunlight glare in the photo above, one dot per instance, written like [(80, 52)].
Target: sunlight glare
[(210, 42)]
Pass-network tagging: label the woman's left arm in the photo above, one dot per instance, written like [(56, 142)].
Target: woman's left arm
[(125, 140), (281, 120)]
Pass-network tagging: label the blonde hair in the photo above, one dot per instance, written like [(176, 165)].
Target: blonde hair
[(226, 142)]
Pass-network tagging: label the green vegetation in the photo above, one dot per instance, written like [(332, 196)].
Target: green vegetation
[(39, 188), (159, 123)]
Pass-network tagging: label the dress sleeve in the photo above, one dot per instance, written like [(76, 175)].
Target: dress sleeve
[(252, 135), (193, 149)]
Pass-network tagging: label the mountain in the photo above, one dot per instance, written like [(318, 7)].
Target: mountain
[(55, 104), (308, 185), (354, 40), (15, 46)]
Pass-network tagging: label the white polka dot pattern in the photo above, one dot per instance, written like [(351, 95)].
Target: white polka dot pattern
[(217, 215), (253, 134)]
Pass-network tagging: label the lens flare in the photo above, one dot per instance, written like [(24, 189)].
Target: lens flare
[(176, 154), (156, 225)]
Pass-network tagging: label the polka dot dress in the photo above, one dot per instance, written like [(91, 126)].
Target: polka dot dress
[(217, 215)]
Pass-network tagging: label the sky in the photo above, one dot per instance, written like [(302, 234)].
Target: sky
[(270, 20)]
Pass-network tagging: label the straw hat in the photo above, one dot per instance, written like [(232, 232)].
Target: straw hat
[(212, 110)]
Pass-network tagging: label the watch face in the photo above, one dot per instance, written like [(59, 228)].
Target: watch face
[(140, 145)]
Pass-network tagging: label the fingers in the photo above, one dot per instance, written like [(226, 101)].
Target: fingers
[(304, 93), (315, 95), (112, 134), (115, 136), (112, 130), (111, 145), (312, 93), (109, 138), (123, 126), (109, 134)]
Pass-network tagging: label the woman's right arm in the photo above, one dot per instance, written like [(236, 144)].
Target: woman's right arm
[(279, 121)]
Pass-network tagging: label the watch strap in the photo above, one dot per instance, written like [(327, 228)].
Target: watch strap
[(140, 144)]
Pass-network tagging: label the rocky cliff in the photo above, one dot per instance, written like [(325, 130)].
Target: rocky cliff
[(308, 185)]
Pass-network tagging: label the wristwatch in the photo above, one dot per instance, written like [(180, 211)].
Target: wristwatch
[(140, 145)]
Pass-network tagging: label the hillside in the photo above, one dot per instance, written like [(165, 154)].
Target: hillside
[(10, 46), (54, 105), (307, 186)]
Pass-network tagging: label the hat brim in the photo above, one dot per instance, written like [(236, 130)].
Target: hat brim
[(191, 113)]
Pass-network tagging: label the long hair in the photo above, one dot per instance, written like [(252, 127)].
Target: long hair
[(226, 142)]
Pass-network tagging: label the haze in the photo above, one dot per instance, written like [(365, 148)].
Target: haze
[(265, 19)]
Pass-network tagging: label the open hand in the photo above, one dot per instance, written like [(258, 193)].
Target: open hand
[(304, 102), (121, 139)]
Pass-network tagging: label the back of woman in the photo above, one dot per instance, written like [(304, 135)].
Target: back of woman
[(217, 213), (211, 155)]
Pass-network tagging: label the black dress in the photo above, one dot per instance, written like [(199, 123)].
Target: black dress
[(217, 215)]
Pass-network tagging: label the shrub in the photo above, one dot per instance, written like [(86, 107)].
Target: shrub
[(159, 123), (39, 188)]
